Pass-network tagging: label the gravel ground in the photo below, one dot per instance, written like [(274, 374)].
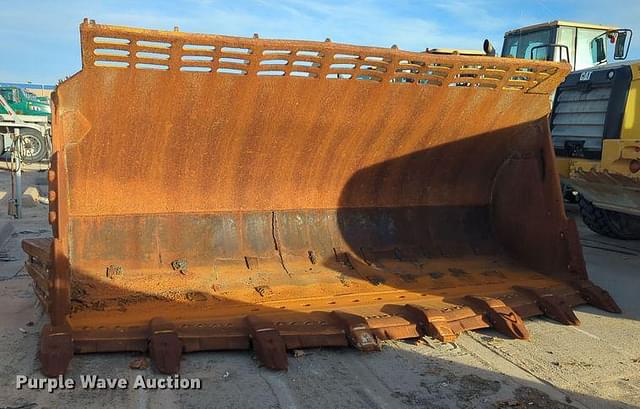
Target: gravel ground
[(594, 365)]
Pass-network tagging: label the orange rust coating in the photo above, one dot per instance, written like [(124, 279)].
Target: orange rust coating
[(207, 197), (215, 141)]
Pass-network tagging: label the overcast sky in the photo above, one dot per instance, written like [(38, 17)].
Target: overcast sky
[(41, 42)]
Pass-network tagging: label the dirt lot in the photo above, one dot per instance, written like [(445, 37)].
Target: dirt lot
[(594, 365)]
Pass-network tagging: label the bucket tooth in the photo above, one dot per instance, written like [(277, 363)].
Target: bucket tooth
[(499, 316), (267, 343), (430, 322), (56, 350), (165, 348), (357, 331), (551, 305), (596, 296)]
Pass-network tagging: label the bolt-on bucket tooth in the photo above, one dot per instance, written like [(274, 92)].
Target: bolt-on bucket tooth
[(596, 296), (56, 350), (165, 347), (551, 305), (267, 343), (431, 322), (499, 316), (282, 194), (357, 331)]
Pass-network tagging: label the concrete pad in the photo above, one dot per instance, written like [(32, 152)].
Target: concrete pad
[(6, 230)]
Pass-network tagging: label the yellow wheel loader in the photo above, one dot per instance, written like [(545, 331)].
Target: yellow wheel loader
[(595, 125), (595, 121), (280, 194)]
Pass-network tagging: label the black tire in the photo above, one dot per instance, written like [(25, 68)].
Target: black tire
[(609, 223), (34, 145)]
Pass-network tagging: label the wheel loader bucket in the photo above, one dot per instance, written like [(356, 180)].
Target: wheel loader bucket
[(212, 193)]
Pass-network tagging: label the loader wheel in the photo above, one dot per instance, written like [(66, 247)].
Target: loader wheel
[(569, 195), (34, 146), (609, 223)]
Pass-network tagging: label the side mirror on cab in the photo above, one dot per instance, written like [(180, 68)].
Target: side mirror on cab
[(622, 40)]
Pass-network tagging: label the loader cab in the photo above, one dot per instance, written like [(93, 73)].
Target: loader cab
[(582, 45)]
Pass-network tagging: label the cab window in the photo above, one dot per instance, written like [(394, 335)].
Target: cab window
[(567, 36), (520, 45), (584, 38)]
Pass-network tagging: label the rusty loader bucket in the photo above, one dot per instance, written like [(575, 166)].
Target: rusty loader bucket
[(216, 193)]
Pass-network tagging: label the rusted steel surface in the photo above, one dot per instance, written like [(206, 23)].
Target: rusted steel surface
[(38, 265), (361, 194)]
